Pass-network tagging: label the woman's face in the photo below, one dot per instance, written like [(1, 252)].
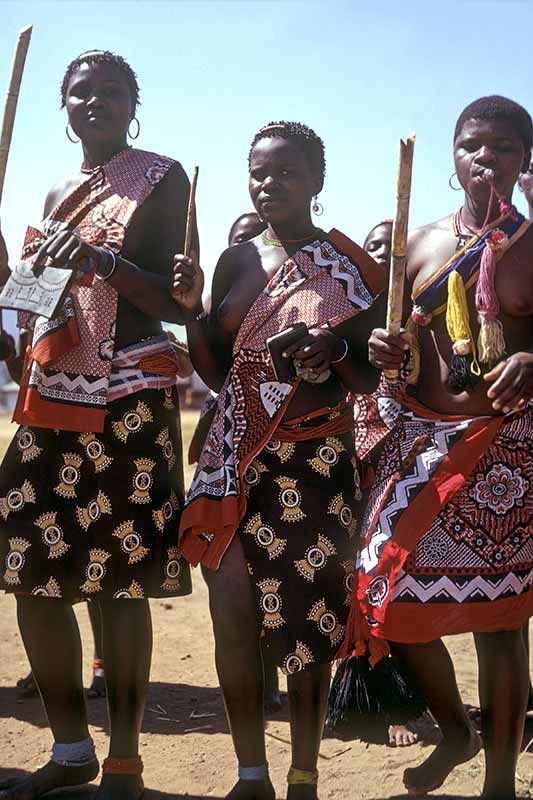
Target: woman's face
[(246, 228), (281, 182), (98, 103), (489, 144), (378, 243)]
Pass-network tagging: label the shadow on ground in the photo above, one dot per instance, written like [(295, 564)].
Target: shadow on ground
[(87, 792)]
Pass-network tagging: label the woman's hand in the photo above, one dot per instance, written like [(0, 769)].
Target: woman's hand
[(66, 250), (386, 350), (187, 283), (512, 383), (314, 352), (4, 261)]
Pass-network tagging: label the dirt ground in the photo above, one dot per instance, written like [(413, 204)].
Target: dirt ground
[(185, 744)]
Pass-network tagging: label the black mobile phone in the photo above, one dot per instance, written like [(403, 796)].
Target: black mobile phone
[(277, 344)]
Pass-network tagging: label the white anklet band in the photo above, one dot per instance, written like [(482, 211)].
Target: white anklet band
[(74, 754), (253, 773)]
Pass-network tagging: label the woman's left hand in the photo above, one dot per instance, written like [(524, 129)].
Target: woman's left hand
[(512, 383), (316, 350), (66, 250)]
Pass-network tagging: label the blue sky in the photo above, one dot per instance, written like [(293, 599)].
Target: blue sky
[(212, 72)]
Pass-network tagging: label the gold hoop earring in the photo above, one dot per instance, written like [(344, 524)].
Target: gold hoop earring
[(138, 129), (69, 137), (450, 184), (317, 208)]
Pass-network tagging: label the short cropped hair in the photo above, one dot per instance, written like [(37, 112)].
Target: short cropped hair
[(302, 136), (102, 57), (495, 107)]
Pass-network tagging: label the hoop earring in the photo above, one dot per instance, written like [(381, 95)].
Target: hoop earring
[(317, 208), (450, 184), (69, 137), (138, 128)]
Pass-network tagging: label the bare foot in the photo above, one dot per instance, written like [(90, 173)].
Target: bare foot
[(402, 736), (120, 787), (51, 776), (434, 770), (27, 687), (252, 790)]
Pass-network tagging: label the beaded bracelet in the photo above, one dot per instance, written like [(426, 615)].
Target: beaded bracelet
[(109, 254), (346, 348)]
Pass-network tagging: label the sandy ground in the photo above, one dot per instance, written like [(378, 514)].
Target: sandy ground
[(185, 743)]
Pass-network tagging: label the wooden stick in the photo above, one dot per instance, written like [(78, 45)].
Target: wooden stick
[(11, 100), (190, 214), (399, 241)]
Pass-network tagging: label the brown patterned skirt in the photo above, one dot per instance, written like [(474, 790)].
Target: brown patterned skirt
[(96, 515), (297, 538)]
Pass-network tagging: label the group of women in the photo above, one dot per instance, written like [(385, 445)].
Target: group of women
[(273, 512)]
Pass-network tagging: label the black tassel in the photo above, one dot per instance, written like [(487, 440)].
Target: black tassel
[(363, 701), (461, 376)]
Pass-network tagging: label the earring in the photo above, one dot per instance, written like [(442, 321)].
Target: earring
[(69, 137), (317, 208), (450, 184), (138, 128)]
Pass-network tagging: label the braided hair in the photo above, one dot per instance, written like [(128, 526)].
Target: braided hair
[(102, 57), (496, 107), (302, 136)]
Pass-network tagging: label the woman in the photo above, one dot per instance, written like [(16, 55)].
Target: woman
[(278, 466), (457, 555), (91, 481)]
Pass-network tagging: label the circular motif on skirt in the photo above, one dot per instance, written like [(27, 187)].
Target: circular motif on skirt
[(290, 498), (95, 450), (14, 500), (270, 603), (95, 571), (132, 421), (436, 547), (143, 481), (173, 569), (14, 561), (348, 582), (93, 510), (25, 440), (124, 594), (131, 542), (346, 516), (316, 557), (40, 592), (328, 454), (69, 475), (168, 449), (327, 622), (265, 535), (52, 535), (273, 446), (167, 510), (251, 476), (293, 664)]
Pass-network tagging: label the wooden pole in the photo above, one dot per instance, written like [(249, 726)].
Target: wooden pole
[(190, 213), (399, 240), (10, 108), (12, 96)]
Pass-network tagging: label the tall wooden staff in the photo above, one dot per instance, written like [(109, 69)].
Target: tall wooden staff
[(10, 108), (189, 222), (399, 241)]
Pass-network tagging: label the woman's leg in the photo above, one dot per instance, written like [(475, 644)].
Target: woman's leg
[(97, 687), (503, 692), (127, 641), (308, 697), (270, 670), (51, 637), (432, 668), (239, 666), (525, 634)]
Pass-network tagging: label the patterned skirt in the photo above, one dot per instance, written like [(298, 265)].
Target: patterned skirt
[(298, 538), (96, 515)]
